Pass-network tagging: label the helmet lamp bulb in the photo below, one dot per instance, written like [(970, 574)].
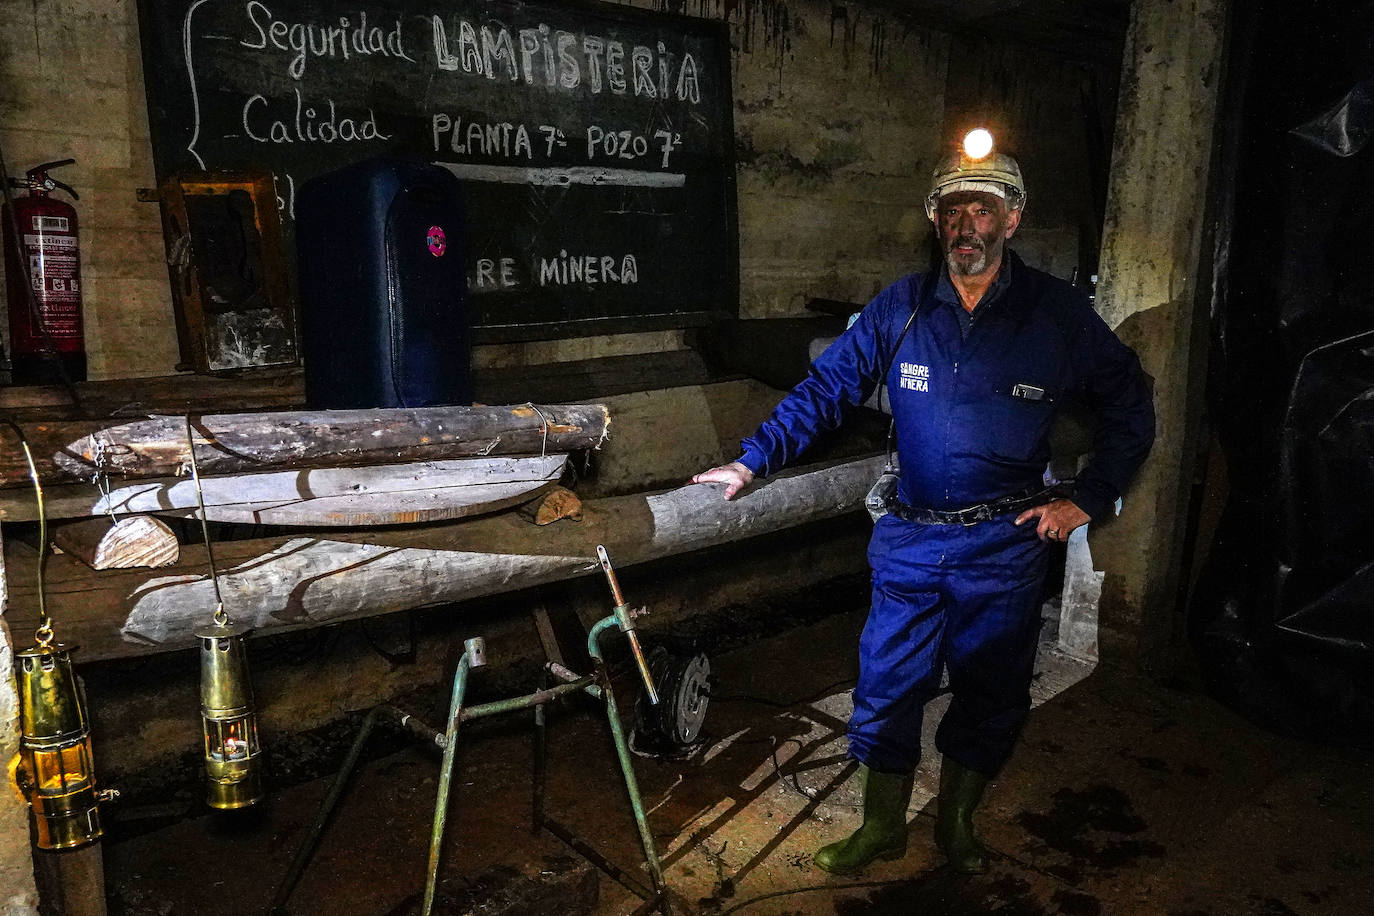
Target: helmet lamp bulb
[(977, 143)]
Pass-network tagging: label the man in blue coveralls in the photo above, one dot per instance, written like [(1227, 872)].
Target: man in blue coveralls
[(977, 357)]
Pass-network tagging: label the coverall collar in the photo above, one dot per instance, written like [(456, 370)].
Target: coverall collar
[(947, 294)]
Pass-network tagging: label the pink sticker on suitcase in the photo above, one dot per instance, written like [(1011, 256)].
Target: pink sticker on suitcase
[(437, 241)]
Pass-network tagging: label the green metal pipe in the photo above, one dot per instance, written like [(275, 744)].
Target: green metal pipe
[(622, 750), (538, 698), (541, 769), (563, 674), (594, 637), (436, 841)]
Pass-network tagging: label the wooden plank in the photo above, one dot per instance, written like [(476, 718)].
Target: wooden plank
[(263, 389), (66, 452), (284, 389), (455, 488), (602, 377), (284, 583)]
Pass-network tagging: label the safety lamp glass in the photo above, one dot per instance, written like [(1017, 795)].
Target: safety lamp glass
[(231, 739), (233, 767), (57, 766)]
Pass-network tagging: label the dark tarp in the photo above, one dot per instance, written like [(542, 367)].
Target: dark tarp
[(1283, 613)]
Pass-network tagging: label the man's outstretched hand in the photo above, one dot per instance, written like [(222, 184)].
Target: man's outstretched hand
[(734, 475), (1055, 520)]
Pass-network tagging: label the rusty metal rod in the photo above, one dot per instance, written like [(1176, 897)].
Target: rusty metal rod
[(625, 618)]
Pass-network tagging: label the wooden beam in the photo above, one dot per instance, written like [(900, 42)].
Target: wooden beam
[(284, 583), (390, 494), (66, 452)]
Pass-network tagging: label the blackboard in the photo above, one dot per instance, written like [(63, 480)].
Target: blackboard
[(594, 142)]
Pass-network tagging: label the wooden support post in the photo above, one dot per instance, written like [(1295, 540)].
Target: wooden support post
[(18, 893), (72, 881)]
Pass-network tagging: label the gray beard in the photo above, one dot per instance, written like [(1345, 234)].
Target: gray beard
[(967, 268)]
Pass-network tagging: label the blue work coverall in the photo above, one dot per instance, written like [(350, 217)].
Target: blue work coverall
[(973, 397)]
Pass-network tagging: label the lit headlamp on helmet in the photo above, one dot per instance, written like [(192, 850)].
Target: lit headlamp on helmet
[(976, 167)]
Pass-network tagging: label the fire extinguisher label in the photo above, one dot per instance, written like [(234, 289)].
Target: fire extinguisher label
[(50, 241), (53, 266), (50, 223)]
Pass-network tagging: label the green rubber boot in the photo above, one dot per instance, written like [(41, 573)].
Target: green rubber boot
[(883, 834), (960, 791)]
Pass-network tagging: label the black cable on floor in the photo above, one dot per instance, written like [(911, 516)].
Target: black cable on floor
[(853, 885)]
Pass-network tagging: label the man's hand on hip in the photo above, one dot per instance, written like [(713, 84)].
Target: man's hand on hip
[(734, 475), (1057, 519)]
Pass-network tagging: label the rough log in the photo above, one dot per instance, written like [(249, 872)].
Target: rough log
[(390, 494), (282, 583), (135, 540), (237, 443)]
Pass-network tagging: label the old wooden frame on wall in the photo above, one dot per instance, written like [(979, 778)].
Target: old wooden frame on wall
[(227, 265)]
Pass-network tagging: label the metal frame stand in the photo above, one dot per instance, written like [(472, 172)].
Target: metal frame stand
[(597, 685)]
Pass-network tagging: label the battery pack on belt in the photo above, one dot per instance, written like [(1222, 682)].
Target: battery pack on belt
[(972, 515)]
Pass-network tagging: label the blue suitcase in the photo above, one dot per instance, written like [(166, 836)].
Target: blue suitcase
[(383, 289)]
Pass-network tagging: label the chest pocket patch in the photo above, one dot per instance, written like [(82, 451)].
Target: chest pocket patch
[(913, 377)]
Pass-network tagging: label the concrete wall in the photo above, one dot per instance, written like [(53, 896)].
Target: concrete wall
[(838, 113), (18, 894)]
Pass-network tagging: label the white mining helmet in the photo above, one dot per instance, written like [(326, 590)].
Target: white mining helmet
[(975, 167)]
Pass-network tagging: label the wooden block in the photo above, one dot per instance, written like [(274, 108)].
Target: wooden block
[(559, 502), (135, 540)]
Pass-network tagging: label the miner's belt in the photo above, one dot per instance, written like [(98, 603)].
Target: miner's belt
[(972, 515)]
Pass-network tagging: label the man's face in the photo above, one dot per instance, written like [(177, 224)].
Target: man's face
[(974, 227)]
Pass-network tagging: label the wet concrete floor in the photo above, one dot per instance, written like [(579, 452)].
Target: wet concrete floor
[(1124, 796)]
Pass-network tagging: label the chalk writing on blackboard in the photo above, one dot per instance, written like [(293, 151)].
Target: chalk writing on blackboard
[(593, 142)]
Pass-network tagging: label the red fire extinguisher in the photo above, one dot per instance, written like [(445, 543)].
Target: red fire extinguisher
[(49, 249)]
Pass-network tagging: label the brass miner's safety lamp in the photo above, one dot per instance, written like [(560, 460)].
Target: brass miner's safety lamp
[(56, 769), (233, 767)]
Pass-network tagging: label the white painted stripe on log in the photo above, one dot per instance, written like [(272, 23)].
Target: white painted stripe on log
[(382, 508), (169, 493), (311, 581), (168, 609)]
